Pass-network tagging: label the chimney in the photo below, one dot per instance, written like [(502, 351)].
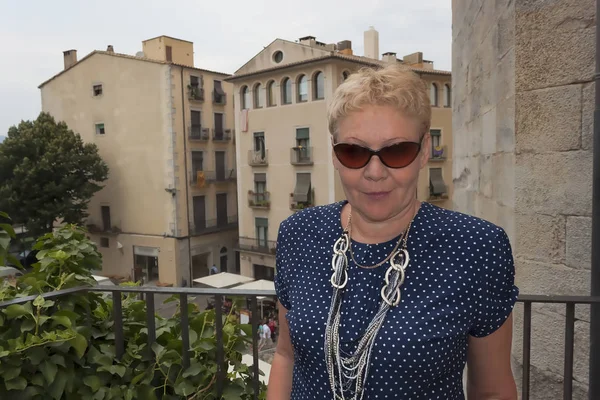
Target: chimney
[(110, 48), (372, 43), (345, 47), (308, 41), (389, 57), (70, 57), (414, 59)]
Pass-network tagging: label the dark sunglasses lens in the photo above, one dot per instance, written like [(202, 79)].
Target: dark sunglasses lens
[(399, 155), (351, 155)]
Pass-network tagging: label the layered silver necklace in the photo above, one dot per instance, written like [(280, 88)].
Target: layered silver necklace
[(348, 372)]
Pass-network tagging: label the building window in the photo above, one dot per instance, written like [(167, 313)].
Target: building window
[(262, 231), (194, 81), (197, 162), (219, 129), (436, 143), (105, 211), (437, 187), (319, 86), (199, 206), (245, 98), (260, 190), (259, 144), (447, 96), (303, 138), (433, 94), (258, 96), (104, 242), (278, 56), (97, 90), (345, 75), (302, 85), (303, 190), (219, 95), (270, 94), (99, 129), (196, 124), (263, 272), (169, 53), (286, 91)]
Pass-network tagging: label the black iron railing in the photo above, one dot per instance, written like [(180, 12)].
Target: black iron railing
[(257, 245), (569, 302), (148, 293), (214, 225)]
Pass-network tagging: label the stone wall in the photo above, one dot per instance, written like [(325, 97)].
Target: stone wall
[(523, 119)]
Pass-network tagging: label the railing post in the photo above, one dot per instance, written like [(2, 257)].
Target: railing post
[(569, 344), (185, 330), (219, 336), (254, 319), (118, 320), (526, 349)]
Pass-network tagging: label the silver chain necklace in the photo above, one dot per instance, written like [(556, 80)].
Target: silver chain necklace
[(348, 373)]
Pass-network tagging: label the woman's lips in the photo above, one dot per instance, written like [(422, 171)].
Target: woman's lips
[(377, 195)]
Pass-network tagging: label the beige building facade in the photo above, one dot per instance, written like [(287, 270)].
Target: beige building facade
[(283, 148), (168, 210)]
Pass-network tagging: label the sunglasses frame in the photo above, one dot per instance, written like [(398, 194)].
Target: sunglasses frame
[(377, 153)]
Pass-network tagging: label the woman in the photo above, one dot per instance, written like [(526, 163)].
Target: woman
[(381, 296)]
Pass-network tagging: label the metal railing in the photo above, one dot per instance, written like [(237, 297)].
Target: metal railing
[(301, 155), (219, 98), (257, 245), (214, 176), (222, 135), (196, 132), (196, 93), (439, 154), (148, 293), (258, 158), (259, 199), (214, 225)]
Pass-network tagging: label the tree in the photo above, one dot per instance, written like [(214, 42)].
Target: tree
[(48, 172)]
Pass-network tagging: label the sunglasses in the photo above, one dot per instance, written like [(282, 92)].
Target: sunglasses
[(397, 155)]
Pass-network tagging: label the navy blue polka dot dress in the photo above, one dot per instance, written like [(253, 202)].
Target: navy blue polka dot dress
[(459, 282)]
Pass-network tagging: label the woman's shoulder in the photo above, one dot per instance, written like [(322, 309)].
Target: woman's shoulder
[(442, 219), (323, 219)]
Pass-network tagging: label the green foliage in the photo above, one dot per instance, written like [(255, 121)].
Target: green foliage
[(47, 172), (64, 348)]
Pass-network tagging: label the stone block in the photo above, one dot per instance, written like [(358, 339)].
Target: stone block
[(549, 119), (587, 116), (553, 59), (473, 176), (506, 219), (554, 183), (505, 125), (486, 173), (474, 130), (505, 39), (540, 238), (579, 242), (503, 179), (552, 16), (504, 77), (487, 209), (488, 132), (549, 279)]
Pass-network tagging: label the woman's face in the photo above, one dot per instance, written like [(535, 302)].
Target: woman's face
[(376, 191)]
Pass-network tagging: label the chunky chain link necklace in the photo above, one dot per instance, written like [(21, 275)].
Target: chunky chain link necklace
[(348, 372)]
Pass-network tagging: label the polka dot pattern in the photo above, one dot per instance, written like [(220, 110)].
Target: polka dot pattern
[(459, 282)]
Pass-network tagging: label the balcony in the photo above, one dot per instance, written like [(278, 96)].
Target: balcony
[(206, 227), (195, 93), (258, 158), (257, 245), (259, 200), (92, 227), (220, 99), (196, 132), (301, 155), (301, 205), (222, 135), (439, 153)]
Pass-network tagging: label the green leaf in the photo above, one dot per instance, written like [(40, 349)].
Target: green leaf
[(232, 392), (158, 349), (61, 320), (57, 387), (11, 373), (9, 229), (247, 329), (206, 345), (79, 343), (36, 355), (138, 378), (185, 388), (93, 382), (18, 383), (18, 310), (193, 370), (58, 360), (193, 337), (38, 380), (5, 215), (27, 325), (49, 370), (38, 302)]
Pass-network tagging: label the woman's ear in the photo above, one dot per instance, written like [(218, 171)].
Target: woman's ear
[(425, 149)]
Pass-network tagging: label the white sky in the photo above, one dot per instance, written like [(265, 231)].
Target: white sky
[(226, 33)]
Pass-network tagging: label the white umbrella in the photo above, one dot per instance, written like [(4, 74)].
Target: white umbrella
[(223, 280), (261, 284)]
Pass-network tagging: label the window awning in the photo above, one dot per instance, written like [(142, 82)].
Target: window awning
[(436, 182), (302, 190), (302, 133), (219, 88), (260, 177)]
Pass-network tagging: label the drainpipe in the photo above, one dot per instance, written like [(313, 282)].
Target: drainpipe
[(186, 180), (594, 391)]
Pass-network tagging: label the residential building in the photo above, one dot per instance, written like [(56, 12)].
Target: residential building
[(283, 146), (168, 210)]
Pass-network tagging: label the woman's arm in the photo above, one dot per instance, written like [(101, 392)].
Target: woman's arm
[(280, 379), (489, 375)]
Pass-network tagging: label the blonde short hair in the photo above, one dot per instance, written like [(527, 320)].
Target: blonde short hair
[(393, 85)]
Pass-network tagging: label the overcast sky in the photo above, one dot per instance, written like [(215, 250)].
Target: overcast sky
[(226, 33)]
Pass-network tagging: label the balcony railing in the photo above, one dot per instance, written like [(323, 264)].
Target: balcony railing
[(257, 245), (151, 296), (219, 98), (301, 205), (196, 93), (258, 158), (301, 155), (149, 293), (221, 136), (225, 175), (196, 132), (92, 227), (213, 225), (259, 200), (439, 153)]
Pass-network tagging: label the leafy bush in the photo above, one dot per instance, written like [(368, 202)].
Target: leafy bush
[(64, 348)]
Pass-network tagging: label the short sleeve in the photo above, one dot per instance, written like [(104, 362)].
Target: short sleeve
[(281, 266), (498, 293)]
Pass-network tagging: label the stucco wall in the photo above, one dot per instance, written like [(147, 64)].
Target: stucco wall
[(522, 73)]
